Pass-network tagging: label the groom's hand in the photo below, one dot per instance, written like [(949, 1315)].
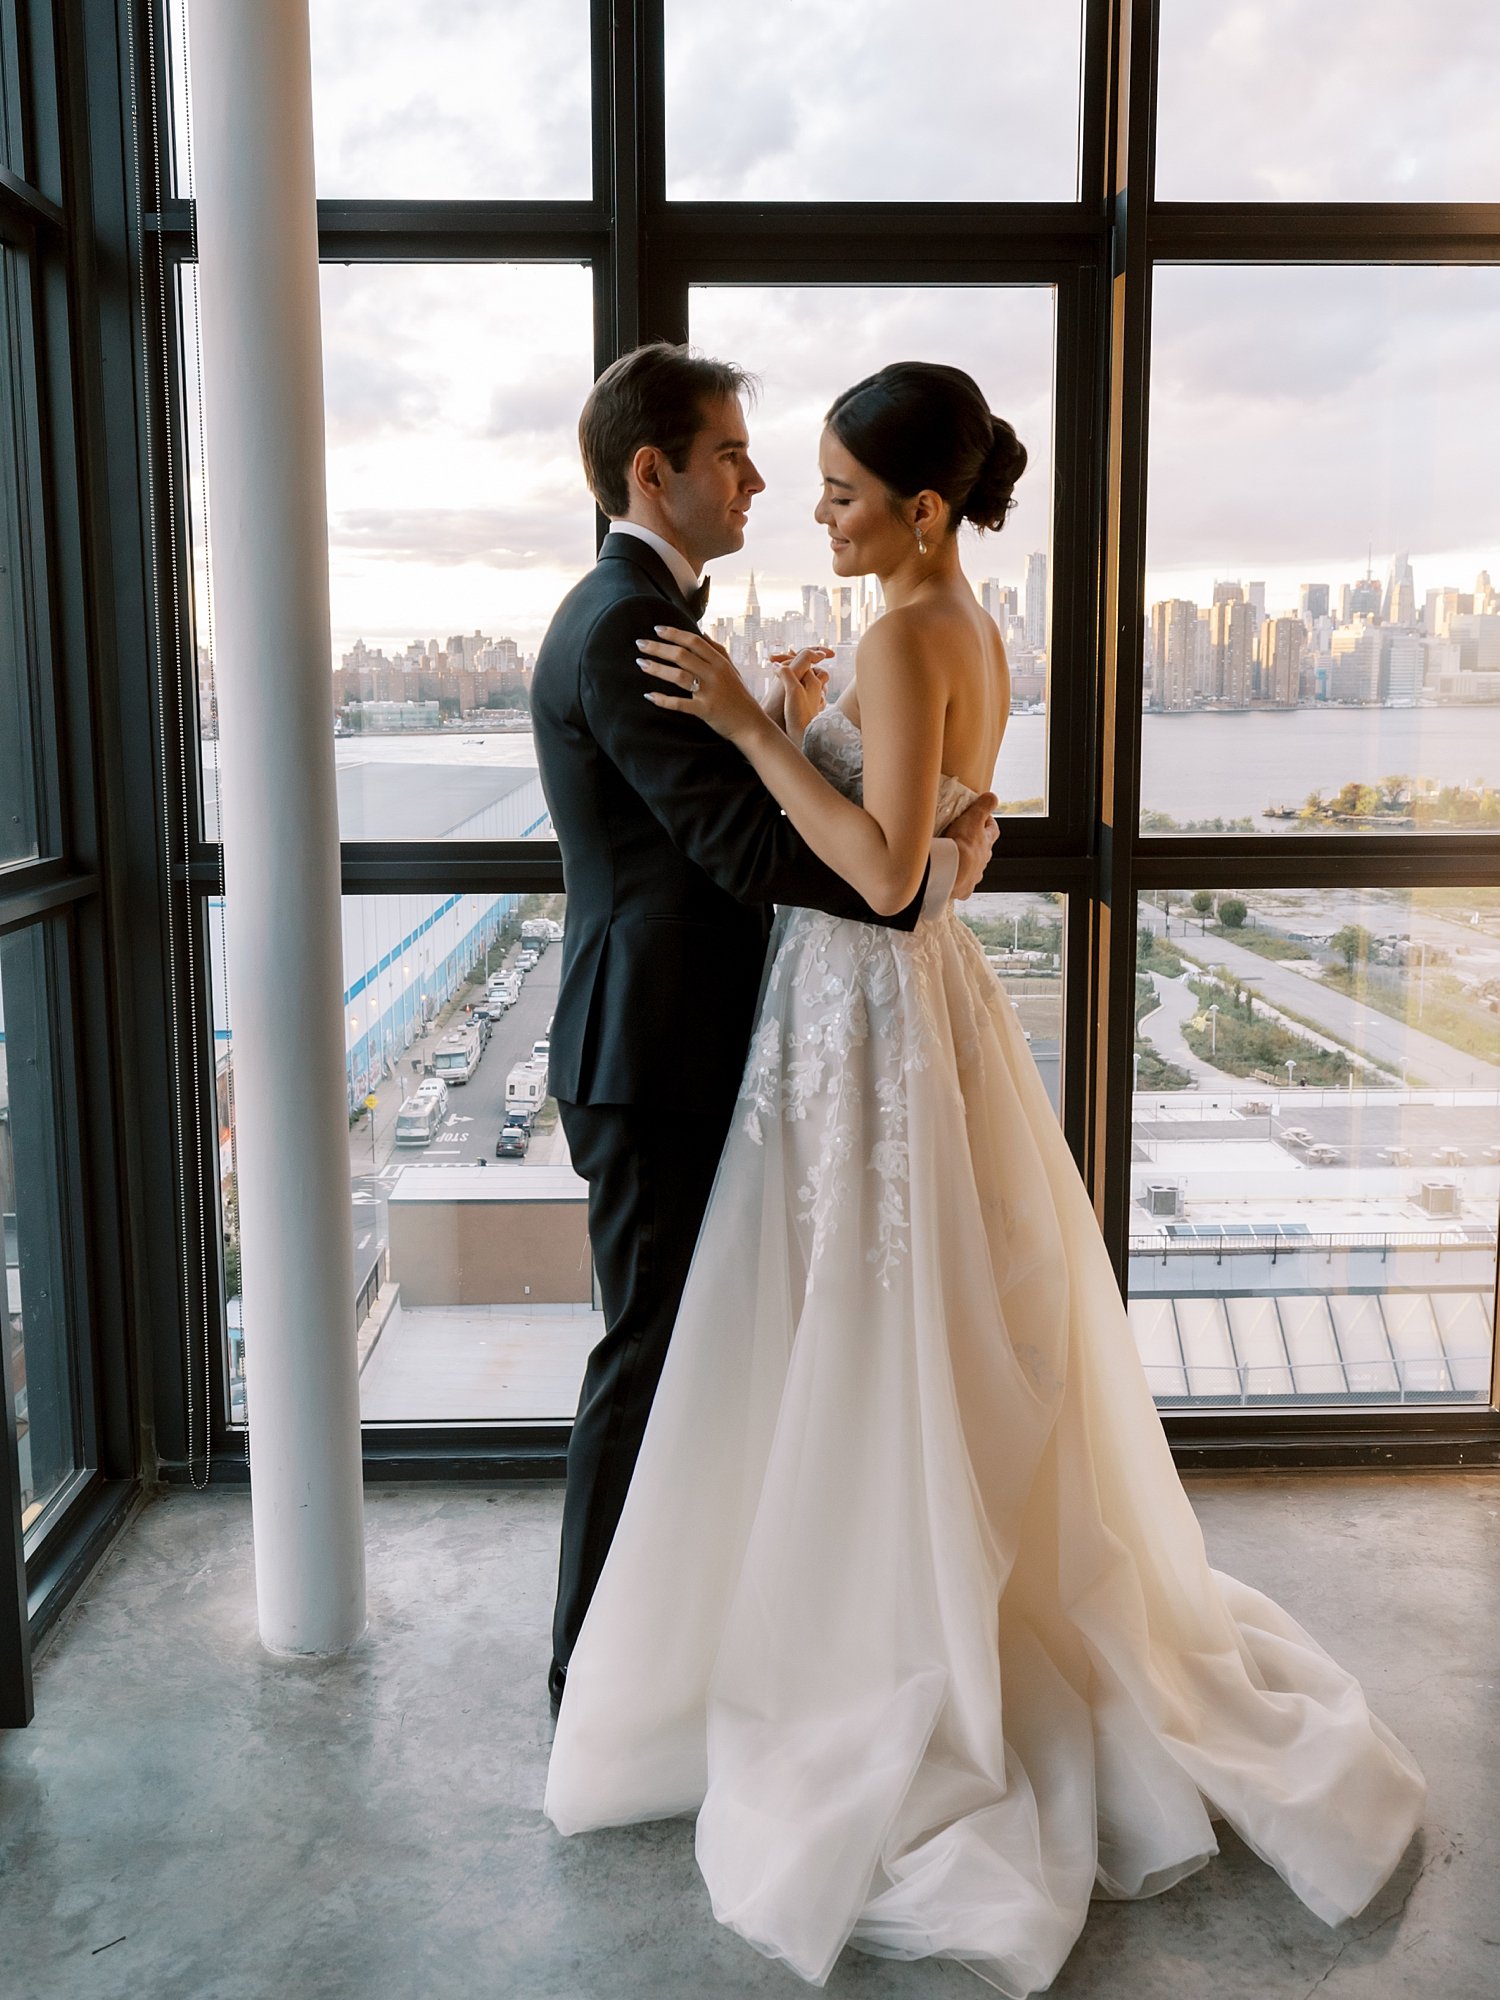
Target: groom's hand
[(974, 832)]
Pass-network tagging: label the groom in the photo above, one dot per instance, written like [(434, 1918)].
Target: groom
[(673, 855)]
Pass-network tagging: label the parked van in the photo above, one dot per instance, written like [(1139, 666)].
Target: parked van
[(418, 1120), (434, 1087), (457, 1055), (526, 1089)]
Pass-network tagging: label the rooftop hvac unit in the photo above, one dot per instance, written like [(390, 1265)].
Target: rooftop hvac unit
[(1163, 1200), (1439, 1197)]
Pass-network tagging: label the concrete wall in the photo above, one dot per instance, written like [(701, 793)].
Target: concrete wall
[(471, 1253)]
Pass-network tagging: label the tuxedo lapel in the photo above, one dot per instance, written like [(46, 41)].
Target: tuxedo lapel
[(631, 549)]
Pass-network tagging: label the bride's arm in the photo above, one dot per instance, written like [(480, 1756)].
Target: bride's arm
[(881, 848)]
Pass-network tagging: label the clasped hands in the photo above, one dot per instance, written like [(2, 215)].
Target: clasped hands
[(713, 691)]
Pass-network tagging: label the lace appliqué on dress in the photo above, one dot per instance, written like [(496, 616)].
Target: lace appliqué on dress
[(845, 1020)]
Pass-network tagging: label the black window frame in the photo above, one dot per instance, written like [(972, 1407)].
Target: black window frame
[(74, 896), (1099, 252)]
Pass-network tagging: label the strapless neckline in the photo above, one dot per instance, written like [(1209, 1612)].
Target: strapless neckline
[(842, 763)]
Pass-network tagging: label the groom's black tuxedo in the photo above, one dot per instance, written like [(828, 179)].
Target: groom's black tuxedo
[(673, 855)]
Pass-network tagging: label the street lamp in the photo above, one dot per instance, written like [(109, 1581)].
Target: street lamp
[(1015, 934), (1291, 1064), (1213, 1027)]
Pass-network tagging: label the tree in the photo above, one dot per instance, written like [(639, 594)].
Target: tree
[(1203, 902), (1352, 943), (1232, 913)]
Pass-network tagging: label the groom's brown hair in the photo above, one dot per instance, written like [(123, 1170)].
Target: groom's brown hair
[(654, 395)]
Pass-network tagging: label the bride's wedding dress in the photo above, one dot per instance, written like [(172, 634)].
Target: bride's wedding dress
[(907, 1602)]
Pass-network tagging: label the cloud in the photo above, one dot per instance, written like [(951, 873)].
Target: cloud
[(442, 538), (1285, 101)]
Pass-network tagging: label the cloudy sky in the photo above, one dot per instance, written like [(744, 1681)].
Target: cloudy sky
[(1298, 416)]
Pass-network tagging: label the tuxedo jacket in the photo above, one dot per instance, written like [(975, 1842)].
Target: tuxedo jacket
[(673, 855)]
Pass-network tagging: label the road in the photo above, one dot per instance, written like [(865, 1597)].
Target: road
[(1430, 1062), (476, 1109)]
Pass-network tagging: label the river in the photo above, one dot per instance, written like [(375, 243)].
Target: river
[(1234, 765)]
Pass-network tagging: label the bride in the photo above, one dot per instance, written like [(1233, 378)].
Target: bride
[(907, 1603)]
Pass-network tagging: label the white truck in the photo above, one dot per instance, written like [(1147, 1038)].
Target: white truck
[(526, 1088)]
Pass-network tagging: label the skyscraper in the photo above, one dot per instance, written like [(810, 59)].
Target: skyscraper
[(1282, 641), (1174, 624), (1312, 603), (1036, 601), (1231, 631)]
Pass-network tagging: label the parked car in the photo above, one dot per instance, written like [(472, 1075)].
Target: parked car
[(513, 1142), (542, 1049), (527, 959)]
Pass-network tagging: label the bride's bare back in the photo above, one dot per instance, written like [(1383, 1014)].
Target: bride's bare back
[(949, 637)]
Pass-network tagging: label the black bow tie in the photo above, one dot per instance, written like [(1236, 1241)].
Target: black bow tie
[(697, 600)]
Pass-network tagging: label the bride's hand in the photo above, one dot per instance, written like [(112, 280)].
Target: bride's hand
[(709, 681), (803, 680)]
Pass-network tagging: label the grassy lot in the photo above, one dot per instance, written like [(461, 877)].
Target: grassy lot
[(1265, 943), (1447, 1015), (1242, 1042)]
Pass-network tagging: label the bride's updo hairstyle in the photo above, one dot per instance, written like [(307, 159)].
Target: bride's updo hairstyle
[(920, 426)]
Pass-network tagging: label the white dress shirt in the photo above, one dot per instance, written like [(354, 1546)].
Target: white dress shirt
[(942, 869), (672, 556)]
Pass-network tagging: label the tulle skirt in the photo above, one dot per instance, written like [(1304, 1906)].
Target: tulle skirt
[(907, 1602)]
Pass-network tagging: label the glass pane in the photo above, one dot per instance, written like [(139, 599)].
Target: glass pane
[(1323, 563), (784, 102), (806, 343), (35, 1323), (448, 100), (1315, 1166), (472, 1287), (1275, 100), (458, 517), (18, 829), (1024, 935)]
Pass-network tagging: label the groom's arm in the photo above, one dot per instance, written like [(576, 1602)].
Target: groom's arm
[(712, 805)]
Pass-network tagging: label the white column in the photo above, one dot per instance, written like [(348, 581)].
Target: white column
[(263, 395)]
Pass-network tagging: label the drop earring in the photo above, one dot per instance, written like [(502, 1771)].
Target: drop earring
[(921, 543)]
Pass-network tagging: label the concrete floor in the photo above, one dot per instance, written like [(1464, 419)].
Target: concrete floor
[(191, 1820)]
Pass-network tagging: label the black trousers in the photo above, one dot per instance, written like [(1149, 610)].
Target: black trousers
[(649, 1171)]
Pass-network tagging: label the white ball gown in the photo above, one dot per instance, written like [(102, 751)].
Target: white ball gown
[(907, 1602)]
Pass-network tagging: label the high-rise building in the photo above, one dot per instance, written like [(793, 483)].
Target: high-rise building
[(1312, 603), (1036, 601), (841, 614), (999, 600), (1401, 665), (1282, 642), (1354, 671), (1174, 630), (1400, 579), (1228, 592), (1232, 638)]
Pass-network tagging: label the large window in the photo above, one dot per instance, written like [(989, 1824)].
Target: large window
[(806, 343), (1323, 553), (1243, 896), (1315, 1172)]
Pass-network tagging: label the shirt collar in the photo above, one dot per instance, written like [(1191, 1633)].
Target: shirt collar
[(675, 560)]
